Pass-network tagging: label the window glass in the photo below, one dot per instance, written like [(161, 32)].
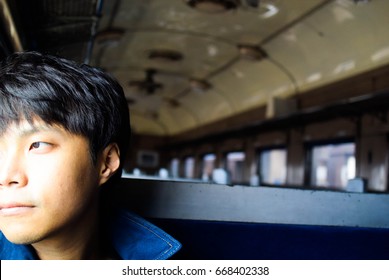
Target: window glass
[(272, 166), (174, 167), (333, 165), (189, 167), (235, 166), (208, 165)]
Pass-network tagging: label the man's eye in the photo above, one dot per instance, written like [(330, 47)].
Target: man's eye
[(39, 145)]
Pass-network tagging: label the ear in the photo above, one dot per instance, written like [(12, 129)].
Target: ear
[(110, 162)]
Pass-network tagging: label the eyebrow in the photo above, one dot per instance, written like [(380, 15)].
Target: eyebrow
[(32, 129)]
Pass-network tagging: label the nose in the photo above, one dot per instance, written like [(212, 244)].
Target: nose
[(11, 170)]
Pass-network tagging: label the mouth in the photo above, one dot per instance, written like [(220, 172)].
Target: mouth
[(15, 209)]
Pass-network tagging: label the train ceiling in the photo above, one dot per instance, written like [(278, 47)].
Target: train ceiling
[(185, 64)]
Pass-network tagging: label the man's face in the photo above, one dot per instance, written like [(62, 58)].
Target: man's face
[(47, 181)]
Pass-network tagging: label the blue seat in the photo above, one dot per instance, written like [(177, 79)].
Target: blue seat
[(249, 241)]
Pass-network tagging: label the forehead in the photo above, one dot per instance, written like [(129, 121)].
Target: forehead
[(25, 128)]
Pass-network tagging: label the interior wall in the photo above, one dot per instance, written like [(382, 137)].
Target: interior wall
[(368, 130)]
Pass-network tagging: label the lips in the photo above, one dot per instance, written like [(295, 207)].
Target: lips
[(15, 208)]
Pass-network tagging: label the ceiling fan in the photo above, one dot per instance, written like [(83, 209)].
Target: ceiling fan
[(148, 85)]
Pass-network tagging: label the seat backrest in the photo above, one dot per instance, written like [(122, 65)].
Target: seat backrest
[(220, 176), (356, 185)]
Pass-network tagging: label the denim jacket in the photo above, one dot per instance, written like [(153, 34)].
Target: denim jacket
[(132, 237)]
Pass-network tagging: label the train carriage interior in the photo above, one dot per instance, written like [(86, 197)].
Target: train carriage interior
[(260, 128)]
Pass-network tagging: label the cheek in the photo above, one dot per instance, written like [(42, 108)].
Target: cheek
[(62, 183)]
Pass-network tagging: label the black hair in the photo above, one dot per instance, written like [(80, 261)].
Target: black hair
[(82, 99)]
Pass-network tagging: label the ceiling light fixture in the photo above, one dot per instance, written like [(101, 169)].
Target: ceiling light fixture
[(109, 36), (253, 3), (173, 102), (199, 86), (251, 52), (213, 6), (165, 55)]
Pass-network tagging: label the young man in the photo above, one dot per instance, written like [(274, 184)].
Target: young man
[(64, 130)]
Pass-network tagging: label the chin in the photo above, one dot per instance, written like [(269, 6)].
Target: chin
[(21, 236)]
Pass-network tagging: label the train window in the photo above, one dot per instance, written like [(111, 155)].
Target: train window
[(208, 164), (175, 167), (333, 165), (272, 166), (235, 166), (189, 167)]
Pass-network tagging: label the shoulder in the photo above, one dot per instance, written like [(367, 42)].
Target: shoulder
[(133, 237)]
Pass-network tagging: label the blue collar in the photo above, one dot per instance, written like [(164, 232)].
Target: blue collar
[(132, 237)]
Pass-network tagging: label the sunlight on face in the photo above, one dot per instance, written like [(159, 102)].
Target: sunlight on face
[(48, 182)]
